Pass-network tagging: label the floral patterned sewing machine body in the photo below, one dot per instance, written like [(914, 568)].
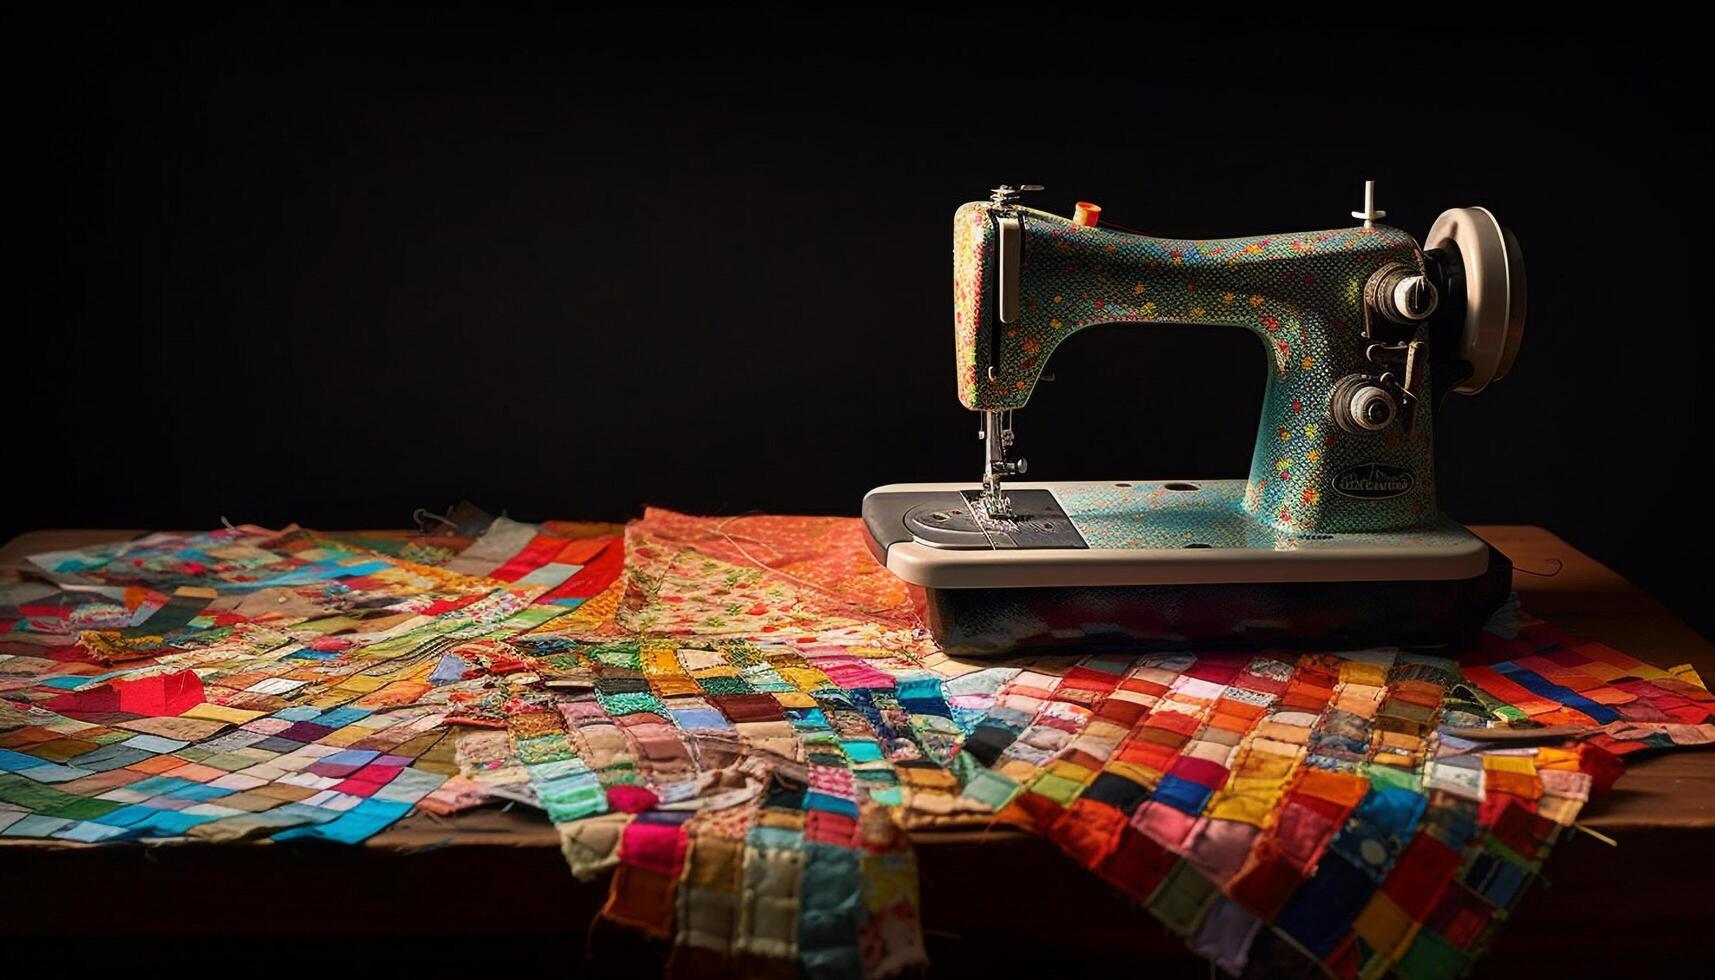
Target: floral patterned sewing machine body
[(1335, 535)]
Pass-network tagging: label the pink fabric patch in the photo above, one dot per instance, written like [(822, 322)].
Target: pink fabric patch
[(849, 672), (1221, 848), (653, 847), (1164, 825), (630, 799)]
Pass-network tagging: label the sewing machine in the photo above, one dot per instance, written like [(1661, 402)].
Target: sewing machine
[(1335, 537)]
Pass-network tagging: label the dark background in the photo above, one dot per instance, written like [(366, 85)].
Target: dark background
[(330, 264)]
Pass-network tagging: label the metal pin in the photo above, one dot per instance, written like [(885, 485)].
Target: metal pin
[(1369, 214)]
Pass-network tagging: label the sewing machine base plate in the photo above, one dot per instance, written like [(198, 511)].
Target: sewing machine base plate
[(1174, 564), (1327, 615)]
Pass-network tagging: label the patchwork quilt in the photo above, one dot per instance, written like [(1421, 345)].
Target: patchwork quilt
[(738, 722)]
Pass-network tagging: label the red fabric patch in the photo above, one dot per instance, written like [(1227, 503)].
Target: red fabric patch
[(1305, 827), (1173, 721), (595, 576), (1460, 916), (1264, 887), (749, 707), (1522, 830), (365, 781), (1602, 766), (1423, 869), (642, 899), (158, 696), (1041, 811), (1083, 678), (823, 827), (630, 799), (1123, 713), (1150, 755), (1138, 685), (581, 550), (1089, 831), (540, 551), (1343, 962), (1200, 771), (1216, 669), (1136, 864)]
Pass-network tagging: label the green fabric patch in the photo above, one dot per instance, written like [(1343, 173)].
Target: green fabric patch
[(1182, 899)]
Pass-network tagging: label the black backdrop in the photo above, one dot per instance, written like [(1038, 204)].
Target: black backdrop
[(331, 264)]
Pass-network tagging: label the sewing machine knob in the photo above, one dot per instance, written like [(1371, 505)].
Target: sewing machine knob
[(1360, 405), (1373, 408)]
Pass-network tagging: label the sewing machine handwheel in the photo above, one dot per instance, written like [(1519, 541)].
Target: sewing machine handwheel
[(1494, 291)]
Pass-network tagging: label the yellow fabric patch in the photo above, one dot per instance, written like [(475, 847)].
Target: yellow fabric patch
[(1246, 800), (1385, 926), (1556, 758), (1563, 810), (1357, 672), (1262, 764), (1522, 764), (1684, 672), (1070, 771), (216, 712)]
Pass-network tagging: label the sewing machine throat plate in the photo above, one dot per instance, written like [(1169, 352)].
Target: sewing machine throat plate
[(957, 519)]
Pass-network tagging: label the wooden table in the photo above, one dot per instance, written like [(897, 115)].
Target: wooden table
[(1001, 901)]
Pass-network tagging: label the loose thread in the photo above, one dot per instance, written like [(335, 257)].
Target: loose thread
[(1559, 566), (721, 530), (1604, 838)]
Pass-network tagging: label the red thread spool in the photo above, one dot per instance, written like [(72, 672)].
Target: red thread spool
[(1086, 214)]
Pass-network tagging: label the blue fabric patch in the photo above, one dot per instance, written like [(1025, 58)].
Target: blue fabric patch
[(68, 683), (450, 669), (1386, 817), (198, 792), (861, 749), (1497, 879), (1182, 794), (832, 913), (341, 717), (354, 825), (807, 719), (1535, 683), (1322, 911), (700, 718), (167, 823), (13, 761), (829, 804), (922, 696), (127, 816)]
